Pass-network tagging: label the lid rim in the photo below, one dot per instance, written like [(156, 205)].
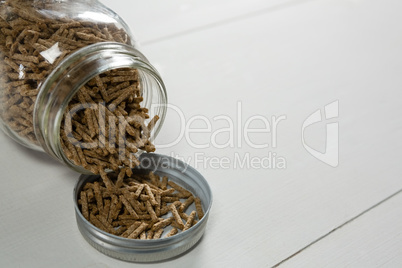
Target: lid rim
[(148, 250)]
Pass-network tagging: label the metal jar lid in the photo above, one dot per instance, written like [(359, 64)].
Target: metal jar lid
[(135, 250)]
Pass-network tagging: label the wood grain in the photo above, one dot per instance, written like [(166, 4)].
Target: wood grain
[(290, 62)]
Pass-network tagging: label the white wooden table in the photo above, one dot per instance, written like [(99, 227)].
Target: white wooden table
[(252, 62)]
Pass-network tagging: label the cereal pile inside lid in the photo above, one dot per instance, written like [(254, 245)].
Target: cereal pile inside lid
[(139, 206), (33, 40)]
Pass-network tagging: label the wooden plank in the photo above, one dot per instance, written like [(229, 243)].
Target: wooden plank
[(152, 20), (290, 62), (372, 240)]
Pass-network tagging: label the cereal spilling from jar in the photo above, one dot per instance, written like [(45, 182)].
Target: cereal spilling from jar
[(104, 125), (108, 125), (138, 206)]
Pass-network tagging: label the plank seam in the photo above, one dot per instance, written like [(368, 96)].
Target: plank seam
[(227, 21), (337, 228)]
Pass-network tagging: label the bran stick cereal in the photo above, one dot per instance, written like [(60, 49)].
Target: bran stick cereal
[(84, 205), (128, 207), (158, 233), (172, 232), (189, 221), (121, 204), (151, 195), (184, 193), (186, 204), (131, 229), (176, 216), (139, 230), (198, 207)]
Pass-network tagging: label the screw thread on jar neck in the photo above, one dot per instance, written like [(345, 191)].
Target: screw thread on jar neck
[(74, 72)]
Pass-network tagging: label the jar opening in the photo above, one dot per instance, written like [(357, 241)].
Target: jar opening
[(100, 108)]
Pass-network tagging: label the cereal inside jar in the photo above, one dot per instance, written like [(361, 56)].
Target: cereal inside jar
[(74, 84)]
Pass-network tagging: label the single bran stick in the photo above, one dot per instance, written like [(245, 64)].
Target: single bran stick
[(185, 193), (186, 204), (158, 207), (164, 183), (96, 222), (176, 216), (150, 235), (167, 192), (151, 195), (189, 221), (184, 216), (90, 194), (106, 180), (113, 207), (98, 196), (151, 211), (131, 229), (120, 178), (144, 197), (177, 226), (162, 224), (158, 234), (128, 207), (129, 217), (84, 205), (138, 231), (198, 207), (106, 208), (139, 191), (170, 199), (172, 232)]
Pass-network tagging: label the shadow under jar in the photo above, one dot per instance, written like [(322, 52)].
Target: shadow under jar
[(74, 84)]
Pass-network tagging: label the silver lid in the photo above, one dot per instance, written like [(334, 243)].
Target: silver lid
[(135, 250)]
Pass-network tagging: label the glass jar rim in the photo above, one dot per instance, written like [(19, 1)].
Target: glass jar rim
[(75, 71)]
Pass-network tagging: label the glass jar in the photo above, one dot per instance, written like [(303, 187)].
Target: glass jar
[(52, 49)]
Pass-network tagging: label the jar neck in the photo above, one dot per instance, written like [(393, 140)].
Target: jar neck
[(74, 72)]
